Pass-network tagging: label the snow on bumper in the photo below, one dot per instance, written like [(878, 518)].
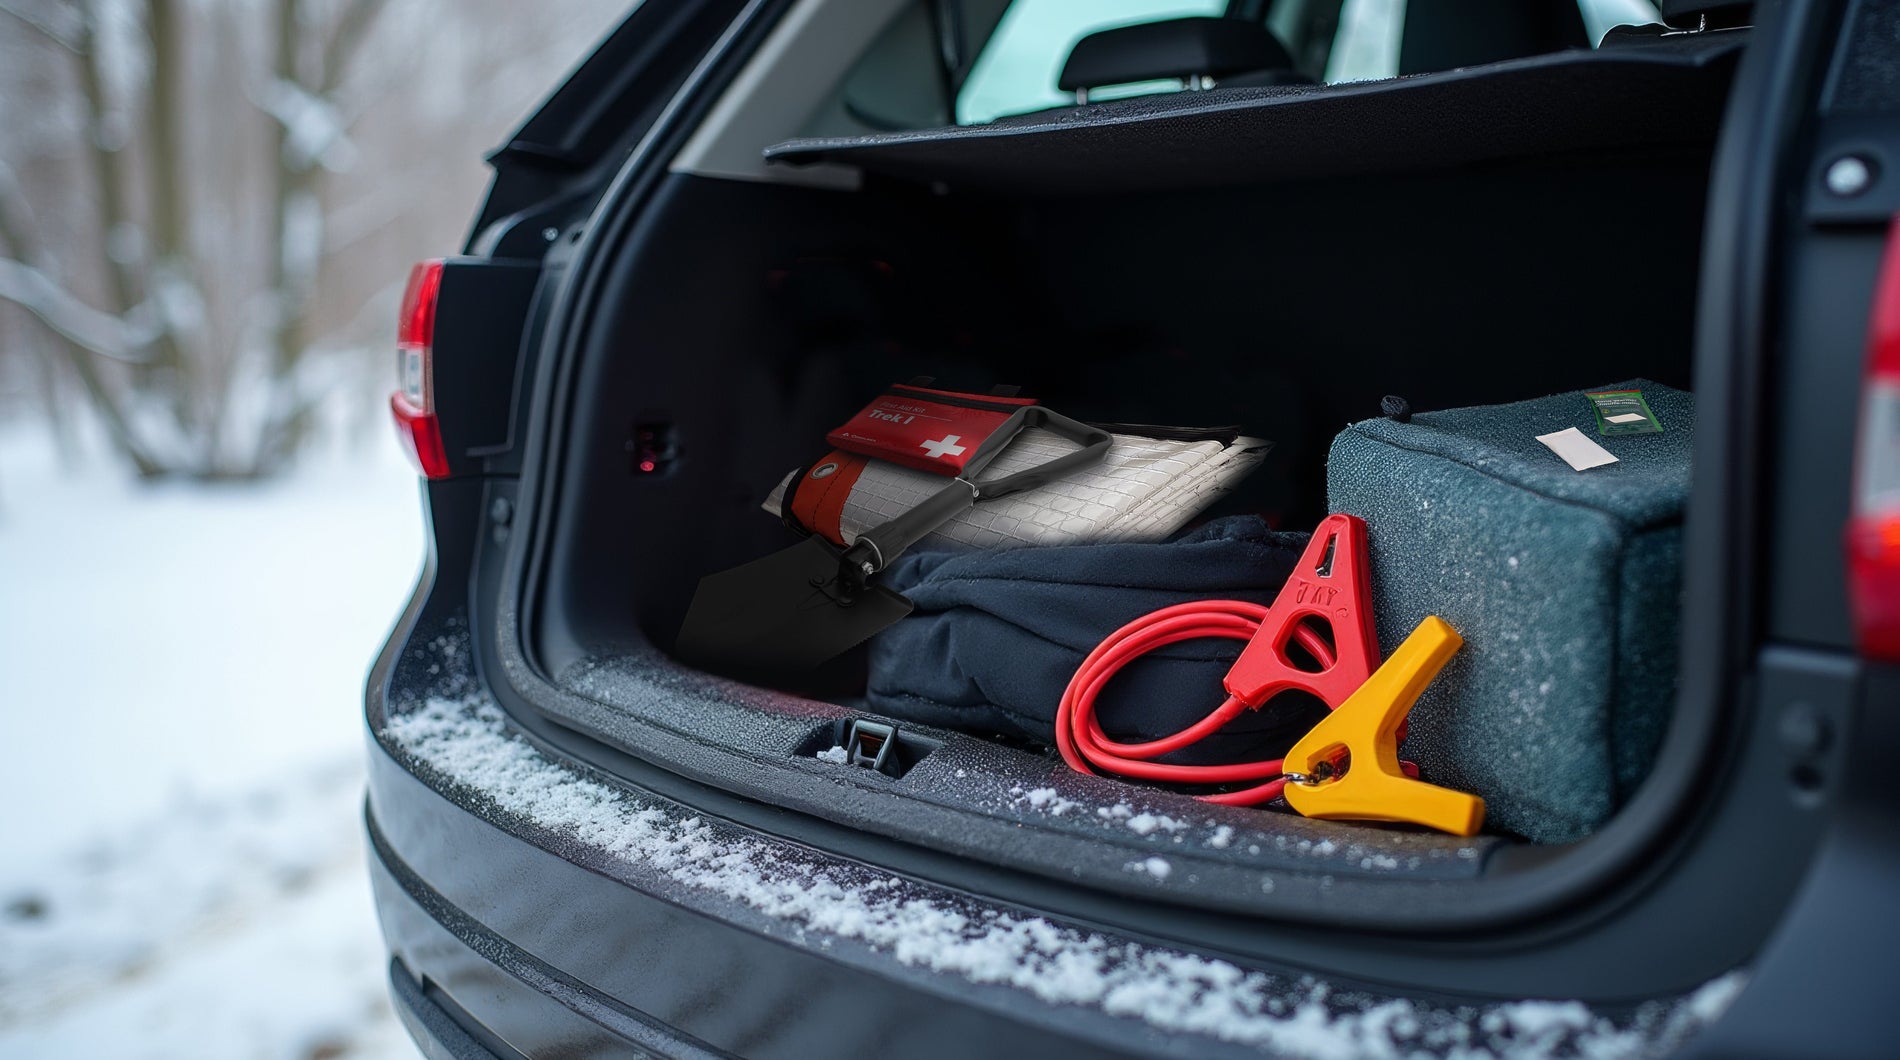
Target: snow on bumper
[(469, 743)]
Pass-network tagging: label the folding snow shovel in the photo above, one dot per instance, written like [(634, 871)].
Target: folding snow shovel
[(798, 607)]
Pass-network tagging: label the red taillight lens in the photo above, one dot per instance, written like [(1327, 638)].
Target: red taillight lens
[(413, 404), (1873, 529), (417, 324)]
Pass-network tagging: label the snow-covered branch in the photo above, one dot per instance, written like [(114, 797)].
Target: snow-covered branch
[(220, 264), (27, 281), (32, 289), (314, 130), (69, 38)]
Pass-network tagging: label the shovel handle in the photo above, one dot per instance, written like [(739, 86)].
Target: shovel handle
[(888, 540), (1093, 440)]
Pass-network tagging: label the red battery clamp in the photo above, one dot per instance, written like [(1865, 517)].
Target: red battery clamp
[(1327, 582), (1331, 583)]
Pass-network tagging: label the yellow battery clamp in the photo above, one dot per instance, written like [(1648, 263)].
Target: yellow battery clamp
[(1347, 766)]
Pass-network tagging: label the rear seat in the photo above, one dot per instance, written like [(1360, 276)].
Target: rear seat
[(1199, 52), (1207, 55), (1220, 54)]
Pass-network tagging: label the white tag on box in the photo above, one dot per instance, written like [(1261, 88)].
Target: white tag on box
[(1578, 451)]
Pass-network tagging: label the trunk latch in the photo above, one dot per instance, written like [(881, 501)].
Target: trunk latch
[(873, 745)]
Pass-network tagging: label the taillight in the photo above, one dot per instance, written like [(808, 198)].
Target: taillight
[(1873, 529), (413, 404)]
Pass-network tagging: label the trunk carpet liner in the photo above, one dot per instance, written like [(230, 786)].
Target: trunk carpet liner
[(1216, 852)]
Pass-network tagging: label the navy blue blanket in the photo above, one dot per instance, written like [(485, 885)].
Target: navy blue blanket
[(997, 634)]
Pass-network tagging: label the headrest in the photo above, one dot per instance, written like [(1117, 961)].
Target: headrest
[(1181, 47), (1446, 34)]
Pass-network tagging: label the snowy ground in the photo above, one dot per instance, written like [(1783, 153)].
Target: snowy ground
[(181, 867)]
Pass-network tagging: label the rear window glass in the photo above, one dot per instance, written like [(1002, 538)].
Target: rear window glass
[(1017, 69), (1366, 48)]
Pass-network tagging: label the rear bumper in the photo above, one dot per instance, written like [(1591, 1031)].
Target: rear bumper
[(508, 943), (439, 1035), (535, 906), (445, 963)]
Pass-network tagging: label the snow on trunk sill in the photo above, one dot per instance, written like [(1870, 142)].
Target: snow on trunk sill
[(924, 927)]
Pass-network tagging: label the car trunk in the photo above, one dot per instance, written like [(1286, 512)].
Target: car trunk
[(739, 321)]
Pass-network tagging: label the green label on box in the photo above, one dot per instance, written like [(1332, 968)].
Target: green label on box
[(1623, 412)]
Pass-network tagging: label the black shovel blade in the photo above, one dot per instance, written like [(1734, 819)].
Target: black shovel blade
[(781, 614)]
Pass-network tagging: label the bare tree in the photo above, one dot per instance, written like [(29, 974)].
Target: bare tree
[(209, 189)]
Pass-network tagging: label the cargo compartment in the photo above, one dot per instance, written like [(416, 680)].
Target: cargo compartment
[(1282, 279)]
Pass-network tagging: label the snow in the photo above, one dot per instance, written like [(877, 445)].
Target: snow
[(1046, 799), (1540, 1019), (302, 239), (182, 867), (1148, 823), (831, 906), (1141, 823), (1707, 1004), (142, 948), (835, 754), (1156, 867), (315, 130), (178, 298), (125, 243)]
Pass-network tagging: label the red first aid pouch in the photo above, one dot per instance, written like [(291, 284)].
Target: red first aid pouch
[(931, 430)]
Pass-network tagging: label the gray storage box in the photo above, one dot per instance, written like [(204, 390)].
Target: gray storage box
[(1564, 584)]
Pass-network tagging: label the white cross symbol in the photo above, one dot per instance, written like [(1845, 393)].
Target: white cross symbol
[(945, 446)]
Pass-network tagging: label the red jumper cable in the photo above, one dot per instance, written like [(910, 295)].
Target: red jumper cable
[(1329, 583)]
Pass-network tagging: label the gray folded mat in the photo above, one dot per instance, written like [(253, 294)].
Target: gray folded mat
[(997, 633), (1564, 584)]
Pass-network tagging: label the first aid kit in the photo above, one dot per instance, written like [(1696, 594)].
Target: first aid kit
[(930, 430), (864, 504), (1146, 488), (799, 607)]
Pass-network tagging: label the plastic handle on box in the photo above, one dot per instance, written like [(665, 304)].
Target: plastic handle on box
[(890, 539), (1347, 767), (1094, 443)]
